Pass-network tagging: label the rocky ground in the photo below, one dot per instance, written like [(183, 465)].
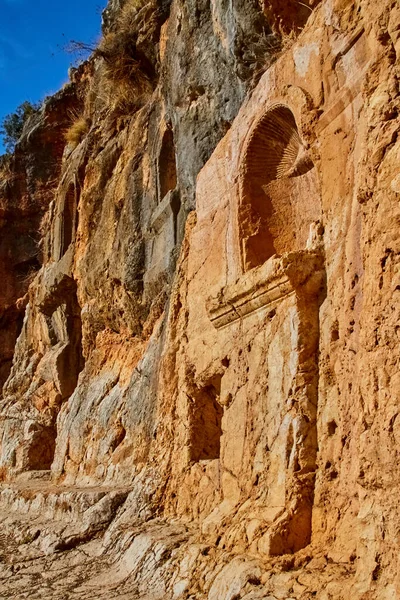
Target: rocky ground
[(200, 317), (61, 560)]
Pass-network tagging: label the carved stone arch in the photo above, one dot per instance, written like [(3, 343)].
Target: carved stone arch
[(279, 191)]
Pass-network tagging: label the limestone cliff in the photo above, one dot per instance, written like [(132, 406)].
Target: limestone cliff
[(199, 322)]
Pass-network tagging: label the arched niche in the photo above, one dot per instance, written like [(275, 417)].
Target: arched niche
[(69, 220), (280, 196), (167, 177)]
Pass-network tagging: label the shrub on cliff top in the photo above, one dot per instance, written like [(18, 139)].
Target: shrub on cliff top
[(13, 124)]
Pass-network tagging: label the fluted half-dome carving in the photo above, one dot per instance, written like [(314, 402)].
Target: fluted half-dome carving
[(279, 189), (274, 146)]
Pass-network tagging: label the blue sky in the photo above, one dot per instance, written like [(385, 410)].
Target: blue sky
[(32, 36)]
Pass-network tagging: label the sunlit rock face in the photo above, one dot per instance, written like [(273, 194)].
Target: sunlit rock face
[(203, 393)]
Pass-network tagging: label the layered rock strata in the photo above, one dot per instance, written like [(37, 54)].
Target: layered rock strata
[(203, 395)]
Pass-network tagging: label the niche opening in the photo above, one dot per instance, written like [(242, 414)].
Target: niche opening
[(41, 451), (279, 190), (69, 220), (206, 424), (167, 165), (64, 327)]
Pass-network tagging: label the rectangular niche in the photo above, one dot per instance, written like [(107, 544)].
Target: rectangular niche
[(206, 424)]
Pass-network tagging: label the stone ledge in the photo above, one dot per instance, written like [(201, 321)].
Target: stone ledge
[(25, 476), (164, 210), (276, 279), (57, 502)]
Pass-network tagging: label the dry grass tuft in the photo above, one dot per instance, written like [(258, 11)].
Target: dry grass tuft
[(288, 16), (288, 39), (127, 71), (121, 67), (269, 49), (131, 6), (76, 132)]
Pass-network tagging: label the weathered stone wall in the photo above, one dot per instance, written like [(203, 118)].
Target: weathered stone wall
[(237, 370), (115, 228), (281, 345), (26, 187)]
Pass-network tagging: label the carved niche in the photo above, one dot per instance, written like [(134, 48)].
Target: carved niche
[(276, 302), (279, 189)]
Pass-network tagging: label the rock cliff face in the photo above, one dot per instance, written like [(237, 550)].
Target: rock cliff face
[(202, 401)]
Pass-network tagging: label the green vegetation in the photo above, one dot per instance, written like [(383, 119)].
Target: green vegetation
[(12, 125)]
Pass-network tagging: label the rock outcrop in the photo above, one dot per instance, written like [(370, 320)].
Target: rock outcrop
[(202, 399)]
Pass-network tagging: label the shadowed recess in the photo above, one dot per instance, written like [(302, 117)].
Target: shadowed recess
[(167, 165)]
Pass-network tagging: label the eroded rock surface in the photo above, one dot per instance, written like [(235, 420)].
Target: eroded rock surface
[(203, 397)]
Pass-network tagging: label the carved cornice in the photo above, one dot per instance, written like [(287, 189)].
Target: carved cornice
[(296, 272)]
